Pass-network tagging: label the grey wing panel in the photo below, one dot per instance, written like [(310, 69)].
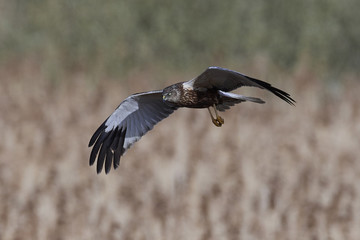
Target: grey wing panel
[(143, 120), (132, 119), (133, 132)]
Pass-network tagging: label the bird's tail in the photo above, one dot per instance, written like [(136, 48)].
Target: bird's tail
[(230, 99)]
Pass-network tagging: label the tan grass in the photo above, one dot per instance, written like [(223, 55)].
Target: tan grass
[(271, 172)]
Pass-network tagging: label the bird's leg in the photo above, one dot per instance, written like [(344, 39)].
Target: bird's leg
[(220, 119), (216, 121)]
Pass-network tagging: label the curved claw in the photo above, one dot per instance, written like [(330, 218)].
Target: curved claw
[(220, 120), (216, 122)]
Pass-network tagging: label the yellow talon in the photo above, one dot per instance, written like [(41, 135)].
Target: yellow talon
[(216, 122), (220, 120)]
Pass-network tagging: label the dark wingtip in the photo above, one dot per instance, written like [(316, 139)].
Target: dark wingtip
[(280, 93), (107, 149), (108, 160), (283, 95), (96, 134), (96, 148), (119, 150), (105, 153)]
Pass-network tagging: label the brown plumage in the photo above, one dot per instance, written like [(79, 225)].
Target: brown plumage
[(194, 99)]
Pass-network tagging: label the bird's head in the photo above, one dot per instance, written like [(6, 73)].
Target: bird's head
[(171, 94)]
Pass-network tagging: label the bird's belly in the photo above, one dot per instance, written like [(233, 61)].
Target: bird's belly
[(199, 100), (200, 104)]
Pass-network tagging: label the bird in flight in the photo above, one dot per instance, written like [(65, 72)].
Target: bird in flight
[(139, 112)]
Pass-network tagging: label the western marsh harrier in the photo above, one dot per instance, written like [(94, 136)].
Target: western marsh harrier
[(139, 112)]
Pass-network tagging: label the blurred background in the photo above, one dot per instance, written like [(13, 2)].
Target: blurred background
[(271, 172)]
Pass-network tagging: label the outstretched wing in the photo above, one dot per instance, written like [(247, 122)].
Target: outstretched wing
[(228, 80), (132, 119)]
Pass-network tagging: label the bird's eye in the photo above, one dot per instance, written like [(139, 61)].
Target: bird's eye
[(169, 93)]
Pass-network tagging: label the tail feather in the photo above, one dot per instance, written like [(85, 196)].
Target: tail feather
[(254, 99), (230, 99)]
